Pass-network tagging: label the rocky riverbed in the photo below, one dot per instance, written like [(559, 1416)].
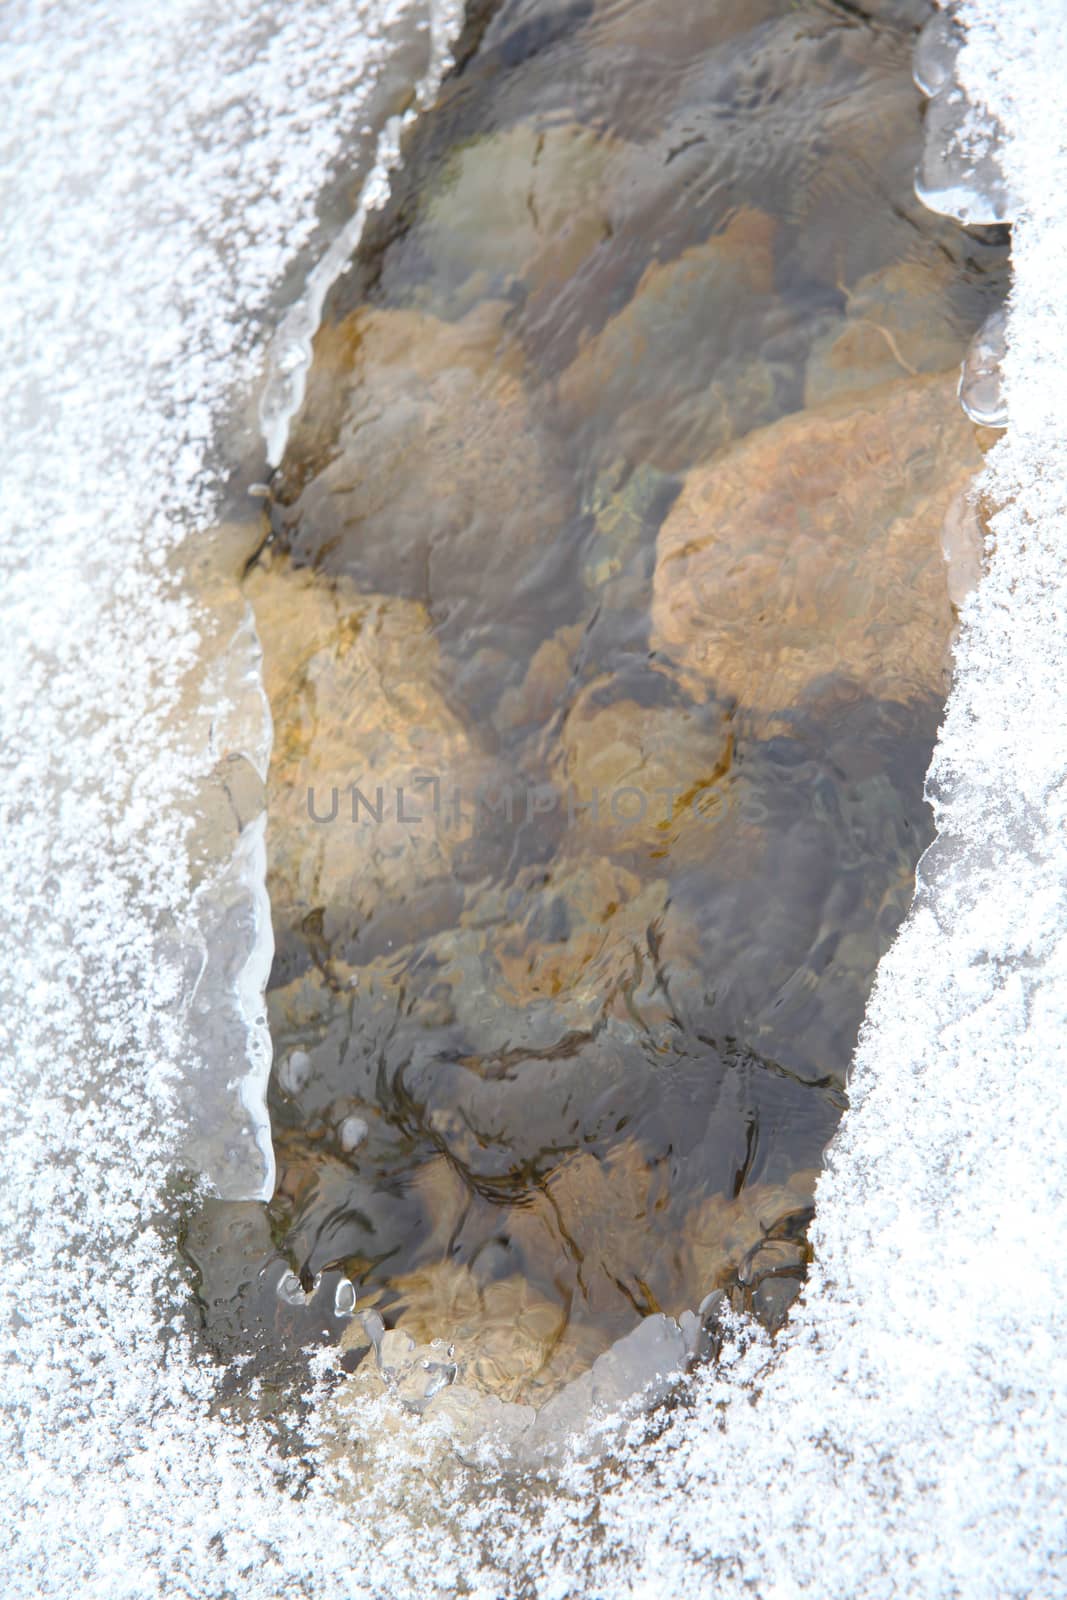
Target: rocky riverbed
[(606, 624)]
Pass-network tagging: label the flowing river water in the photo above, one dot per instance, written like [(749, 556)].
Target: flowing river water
[(605, 610)]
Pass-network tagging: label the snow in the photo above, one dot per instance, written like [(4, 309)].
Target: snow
[(908, 1435)]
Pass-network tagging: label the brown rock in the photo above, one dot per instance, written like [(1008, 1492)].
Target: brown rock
[(417, 469), (600, 914), (899, 323), (354, 682), (632, 777), (812, 551), (734, 1237), (543, 691), (505, 1333), (612, 1223)]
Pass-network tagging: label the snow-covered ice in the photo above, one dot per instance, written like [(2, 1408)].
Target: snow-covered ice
[(160, 174)]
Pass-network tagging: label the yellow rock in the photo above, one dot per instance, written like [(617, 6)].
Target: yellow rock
[(651, 771), (603, 914), (354, 683), (505, 1332), (812, 551)]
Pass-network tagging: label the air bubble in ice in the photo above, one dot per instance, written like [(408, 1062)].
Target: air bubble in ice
[(981, 380), (353, 1132), (291, 1290), (960, 174), (415, 1373), (295, 1072), (344, 1298), (962, 547)]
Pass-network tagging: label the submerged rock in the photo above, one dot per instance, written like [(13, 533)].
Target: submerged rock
[(367, 753), (900, 321), (579, 936), (524, 205), (498, 1032), (678, 372), (506, 1336), (534, 702), (811, 552), (418, 469), (634, 775), (505, 1340)]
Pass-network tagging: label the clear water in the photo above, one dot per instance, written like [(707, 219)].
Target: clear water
[(606, 621)]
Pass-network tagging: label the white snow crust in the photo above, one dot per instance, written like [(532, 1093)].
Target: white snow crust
[(907, 1436)]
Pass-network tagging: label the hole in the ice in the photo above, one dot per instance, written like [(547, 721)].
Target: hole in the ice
[(606, 626)]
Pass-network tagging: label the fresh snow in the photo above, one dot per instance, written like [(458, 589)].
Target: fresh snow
[(908, 1435)]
